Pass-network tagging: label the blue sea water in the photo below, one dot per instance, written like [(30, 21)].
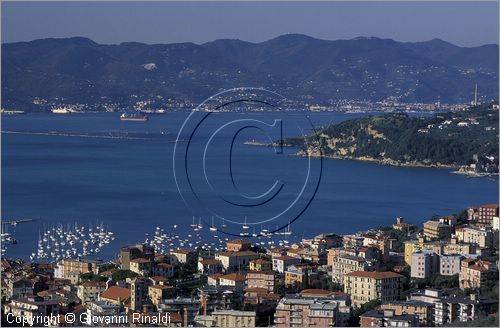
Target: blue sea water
[(66, 168)]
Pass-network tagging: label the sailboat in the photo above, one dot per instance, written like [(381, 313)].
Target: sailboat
[(224, 225), (194, 225), (245, 226), (213, 228)]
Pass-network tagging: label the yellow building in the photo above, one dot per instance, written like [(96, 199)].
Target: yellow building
[(159, 292), (474, 273), (455, 247), (437, 230), (412, 246), (68, 267), (483, 237), (261, 265), (89, 291), (233, 318), (363, 286), (423, 310), (141, 266)]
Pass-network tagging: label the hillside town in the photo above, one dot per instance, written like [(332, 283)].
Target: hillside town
[(443, 272)]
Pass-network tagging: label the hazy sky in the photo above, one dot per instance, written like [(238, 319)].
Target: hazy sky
[(462, 23)]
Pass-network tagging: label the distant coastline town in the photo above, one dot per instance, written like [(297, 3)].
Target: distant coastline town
[(388, 105), (444, 272)]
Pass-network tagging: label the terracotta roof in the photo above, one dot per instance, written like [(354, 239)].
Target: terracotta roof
[(234, 277), (313, 291), (215, 276), (161, 287), (115, 293), (159, 278), (108, 273), (495, 206), (374, 274), (141, 260), (240, 253), (478, 268), (249, 273), (284, 258), (260, 261), (175, 318), (238, 241), (5, 264), (181, 251), (79, 308), (210, 262)]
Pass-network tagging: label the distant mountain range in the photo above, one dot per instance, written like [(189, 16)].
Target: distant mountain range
[(302, 68)]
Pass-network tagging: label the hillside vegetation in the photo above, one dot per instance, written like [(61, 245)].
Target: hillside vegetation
[(466, 140)]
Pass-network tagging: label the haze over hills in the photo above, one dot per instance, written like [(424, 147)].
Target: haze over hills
[(302, 68)]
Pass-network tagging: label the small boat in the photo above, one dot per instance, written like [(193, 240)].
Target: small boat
[(134, 117)]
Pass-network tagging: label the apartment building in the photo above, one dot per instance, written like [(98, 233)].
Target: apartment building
[(437, 230), (486, 213), (129, 253), (68, 267), (481, 236), (365, 286), (89, 291), (261, 279), (387, 318), (238, 245), (281, 263), (300, 275), (449, 265), (234, 261), (313, 308), (344, 264), (424, 264), (474, 273), (261, 265), (424, 311)]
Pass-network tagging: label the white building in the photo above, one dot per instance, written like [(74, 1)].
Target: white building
[(449, 265), (424, 264)]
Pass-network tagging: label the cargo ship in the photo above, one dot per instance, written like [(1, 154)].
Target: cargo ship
[(134, 117)]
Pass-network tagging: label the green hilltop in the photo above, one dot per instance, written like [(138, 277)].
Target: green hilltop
[(465, 140)]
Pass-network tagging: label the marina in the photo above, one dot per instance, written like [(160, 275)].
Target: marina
[(65, 241), (128, 185)]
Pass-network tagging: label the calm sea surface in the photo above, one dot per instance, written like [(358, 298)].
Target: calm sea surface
[(68, 168)]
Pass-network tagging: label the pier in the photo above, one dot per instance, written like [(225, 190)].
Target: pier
[(15, 222)]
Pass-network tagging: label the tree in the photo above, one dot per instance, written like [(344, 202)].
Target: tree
[(123, 274), (106, 267), (90, 276)]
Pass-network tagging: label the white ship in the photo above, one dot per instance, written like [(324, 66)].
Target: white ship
[(61, 110)]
